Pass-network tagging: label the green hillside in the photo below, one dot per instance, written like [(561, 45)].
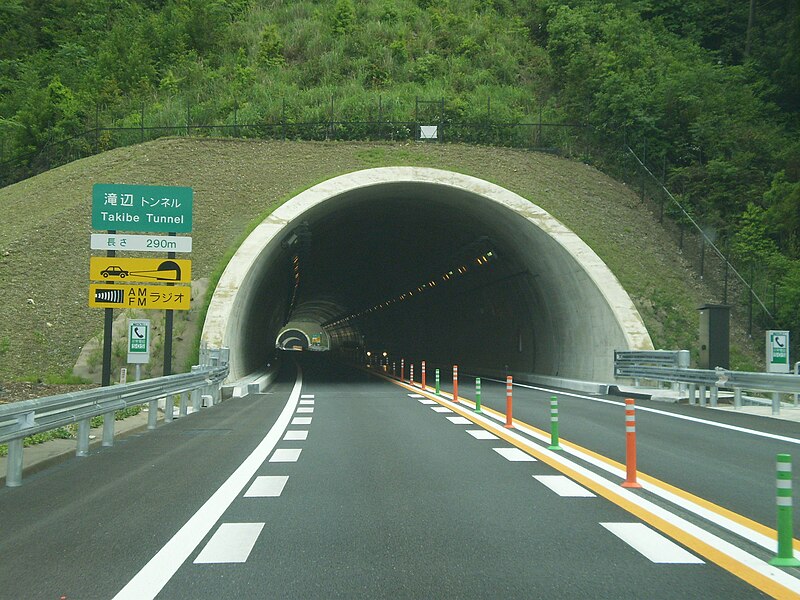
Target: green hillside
[(44, 241)]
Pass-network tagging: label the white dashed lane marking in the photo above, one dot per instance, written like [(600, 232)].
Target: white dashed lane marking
[(301, 421), (305, 409), (306, 402), (414, 396), (482, 434), (286, 455), (514, 454), (441, 409), (426, 401), (296, 435), (307, 396), (459, 420), (232, 543), (269, 486), (564, 486), (651, 544)]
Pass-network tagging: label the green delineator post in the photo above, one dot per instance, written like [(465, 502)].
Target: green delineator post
[(478, 395), (437, 381), (554, 424), (785, 557)]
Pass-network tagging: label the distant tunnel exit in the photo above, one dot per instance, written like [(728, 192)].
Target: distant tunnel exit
[(423, 263)]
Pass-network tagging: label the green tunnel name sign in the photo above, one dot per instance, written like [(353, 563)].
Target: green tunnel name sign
[(151, 208)]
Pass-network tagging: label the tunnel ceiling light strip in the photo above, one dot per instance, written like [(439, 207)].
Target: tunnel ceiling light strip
[(480, 261)]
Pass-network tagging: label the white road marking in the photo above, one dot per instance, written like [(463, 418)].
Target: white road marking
[(441, 409), (514, 454), (652, 544), (564, 486), (482, 434), (459, 420), (429, 402), (268, 486), (296, 435), (301, 421), (307, 397), (306, 402), (286, 455), (414, 396), (305, 409), (771, 436), (150, 580), (232, 543)]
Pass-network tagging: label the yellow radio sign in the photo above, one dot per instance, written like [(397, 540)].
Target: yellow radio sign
[(140, 269), (147, 297)]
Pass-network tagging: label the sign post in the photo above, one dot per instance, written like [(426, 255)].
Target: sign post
[(778, 352)]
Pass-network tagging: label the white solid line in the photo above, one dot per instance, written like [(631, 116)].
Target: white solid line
[(441, 409), (459, 420), (267, 486), (652, 544), (564, 486), (514, 454), (286, 455), (429, 402), (482, 434), (232, 543), (301, 421), (307, 397), (149, 581), (771, 436), (305, 409), (306, 403), (296, 435)]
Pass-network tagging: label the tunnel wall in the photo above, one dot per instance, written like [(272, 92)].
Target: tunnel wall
[(577, 313)]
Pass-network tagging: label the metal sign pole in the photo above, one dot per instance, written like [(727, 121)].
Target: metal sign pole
[(168, 317), (108, 331)]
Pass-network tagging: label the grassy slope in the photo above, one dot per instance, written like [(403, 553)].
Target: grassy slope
[(46, 222)]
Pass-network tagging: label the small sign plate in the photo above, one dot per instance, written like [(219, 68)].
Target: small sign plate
[(148, 297), (140, 243), (103, 268)]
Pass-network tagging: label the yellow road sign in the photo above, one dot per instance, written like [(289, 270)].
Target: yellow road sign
[(103, 268), (152, 297)]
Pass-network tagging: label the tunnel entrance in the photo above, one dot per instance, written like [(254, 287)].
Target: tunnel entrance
[(428, 264)]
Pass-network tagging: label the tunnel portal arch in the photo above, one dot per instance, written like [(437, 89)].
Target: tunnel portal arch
[(548, 304)]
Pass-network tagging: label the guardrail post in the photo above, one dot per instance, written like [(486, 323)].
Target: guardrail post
[(630, 445), (14, 464), (83, 438), (785, 557), (455, 384), (714, 395), (196, 400), (554, 424), (509, 402), (692, 394), (702, 395), (184, 404), (152, 414), (776, 404), (169, 408), (108, 429), (737, 397)]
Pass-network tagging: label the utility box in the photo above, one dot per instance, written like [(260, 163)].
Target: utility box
[(715, 326)]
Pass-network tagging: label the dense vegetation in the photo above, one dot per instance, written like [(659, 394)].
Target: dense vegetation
[(713, 86)]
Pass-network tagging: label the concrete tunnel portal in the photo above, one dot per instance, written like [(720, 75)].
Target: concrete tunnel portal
[(424, 264)]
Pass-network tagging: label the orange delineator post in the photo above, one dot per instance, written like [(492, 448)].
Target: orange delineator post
[(455, 383), (509, 417), (412, 374), (423, 375), (630, 445)]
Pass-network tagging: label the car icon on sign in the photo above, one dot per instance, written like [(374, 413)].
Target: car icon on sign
[(114, 271)]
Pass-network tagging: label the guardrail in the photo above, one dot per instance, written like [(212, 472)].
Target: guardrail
[(714, 380), (22, 419)]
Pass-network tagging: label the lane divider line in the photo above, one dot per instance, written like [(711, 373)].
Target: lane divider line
[(733, 559), (564, 486), (651, 544), (231, 543), (152, 578), (267, 486)]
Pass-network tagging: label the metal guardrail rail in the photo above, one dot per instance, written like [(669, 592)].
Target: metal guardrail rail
[(22, 419), (710, 379)]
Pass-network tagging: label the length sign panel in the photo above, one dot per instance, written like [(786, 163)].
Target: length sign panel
[(147, 297), (103, 268), (140, 243), (142, 207)]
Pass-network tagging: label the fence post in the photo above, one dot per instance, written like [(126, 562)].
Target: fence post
[(785, 557)]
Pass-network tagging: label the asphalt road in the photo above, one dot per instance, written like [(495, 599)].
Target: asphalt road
[(382, 497)]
